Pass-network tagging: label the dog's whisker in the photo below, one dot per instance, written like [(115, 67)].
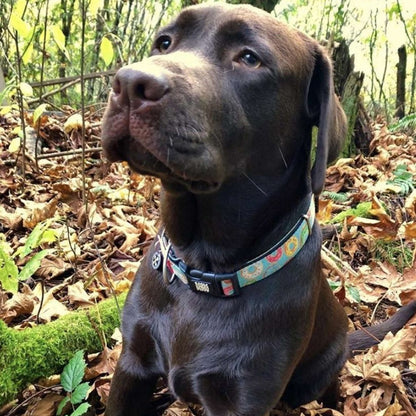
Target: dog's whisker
[(283, 156), (215, 136), (254, 183), (197, 134)]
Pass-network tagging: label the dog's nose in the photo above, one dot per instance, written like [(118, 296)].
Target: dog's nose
[(134, 86)]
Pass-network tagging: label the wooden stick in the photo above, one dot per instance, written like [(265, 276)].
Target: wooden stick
[(74, 152)]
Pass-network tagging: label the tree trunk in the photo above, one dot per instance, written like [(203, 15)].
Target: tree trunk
[(348, 85), (350, 102), (67, 13), (401, 83), (343, 66)]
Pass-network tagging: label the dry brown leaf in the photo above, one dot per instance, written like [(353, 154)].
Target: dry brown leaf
[(396, 348), (20, 304), (39, 211), (102, 363), (130, 269), (12, 220), (408, 230), (392, 410), (324, 213), (78, 296), (375, 368), (315, 409), (410, 205), (371, 404), (50, 308), (102, 387), (177, 409), (386, 277), (405, 403), (131, 234), (45, 407), (52, 267)]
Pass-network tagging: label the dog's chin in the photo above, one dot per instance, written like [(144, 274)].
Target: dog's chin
[(144, 162), (174, 183)]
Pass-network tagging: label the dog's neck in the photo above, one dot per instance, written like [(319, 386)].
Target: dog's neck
[(222, 230)]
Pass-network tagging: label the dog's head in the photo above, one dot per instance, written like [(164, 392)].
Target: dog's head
[(227, 91)]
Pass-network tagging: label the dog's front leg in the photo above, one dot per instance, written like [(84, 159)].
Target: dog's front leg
[(134, 379), (130, 396)]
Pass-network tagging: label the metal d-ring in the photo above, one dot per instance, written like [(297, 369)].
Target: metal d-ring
[(164, 249), (168, 280)]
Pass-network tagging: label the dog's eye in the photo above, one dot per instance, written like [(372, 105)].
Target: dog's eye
[(249, 59), (163, 43)]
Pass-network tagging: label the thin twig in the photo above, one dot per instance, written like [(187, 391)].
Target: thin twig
[(335, 259), (64, 80), (74, 152)]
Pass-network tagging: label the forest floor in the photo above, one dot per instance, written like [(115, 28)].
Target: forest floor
[(89, 224)]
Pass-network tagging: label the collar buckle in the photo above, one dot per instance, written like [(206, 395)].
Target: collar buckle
[(221, 285)]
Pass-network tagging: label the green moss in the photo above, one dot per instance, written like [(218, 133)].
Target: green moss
[(29, 354)]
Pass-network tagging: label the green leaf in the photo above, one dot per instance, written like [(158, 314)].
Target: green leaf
[(26, 89), (62, 405), (8, 272), (355, 294), (27, 56), (33, 264), (81, 410), (106, 51), (73, 372), (335, 196), (15, 144), (94, 5), (333, 285), (21, 27), (39, 110), (35, 238), (362, 210), (59, 38), (49, 236), (80, 393), (5, 109)]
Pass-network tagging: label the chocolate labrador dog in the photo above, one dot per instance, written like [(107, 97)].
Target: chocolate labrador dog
[(229, 303)]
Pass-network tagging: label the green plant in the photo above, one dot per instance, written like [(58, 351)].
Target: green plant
[(396, 253), (351, 290), (403, 179), (71, 381), (9, 271), (405, 123), (338, 197), (361, 210)]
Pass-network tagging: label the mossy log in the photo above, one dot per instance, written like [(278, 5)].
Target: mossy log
[(32, 353)]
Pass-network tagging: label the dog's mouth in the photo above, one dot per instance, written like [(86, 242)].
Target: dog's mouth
[(146, 162)]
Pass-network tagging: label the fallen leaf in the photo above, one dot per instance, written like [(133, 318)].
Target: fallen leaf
[(78, 296), (50, 307), (47, 406)]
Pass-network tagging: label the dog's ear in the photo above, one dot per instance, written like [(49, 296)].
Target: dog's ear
[(324, 109)]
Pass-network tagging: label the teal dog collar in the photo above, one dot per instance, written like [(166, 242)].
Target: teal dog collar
[(229, 284)]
